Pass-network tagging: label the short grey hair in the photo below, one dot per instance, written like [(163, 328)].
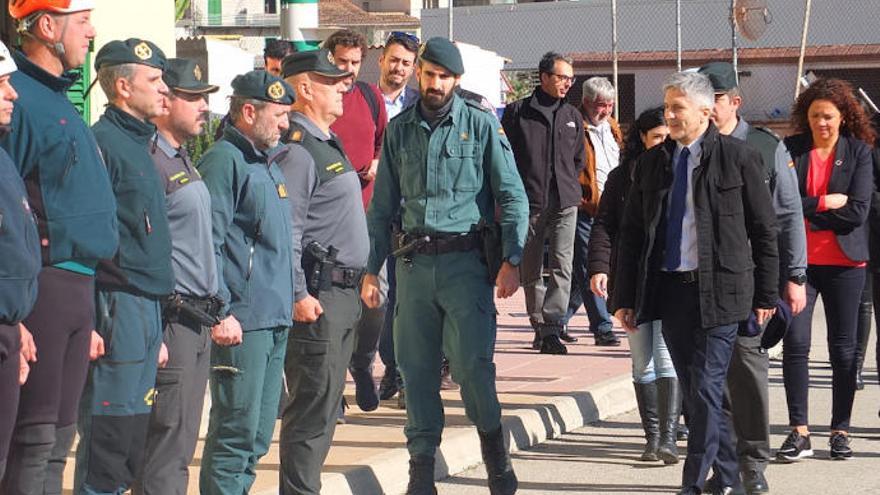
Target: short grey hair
[(237, 103), (107, 77), (598, 87), (695, 86)]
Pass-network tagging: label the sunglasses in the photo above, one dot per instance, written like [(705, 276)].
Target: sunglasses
[(401, 36)]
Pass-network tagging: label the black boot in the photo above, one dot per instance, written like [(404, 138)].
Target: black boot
[(421, 476), (682, 434), (58, 459), (863, 331), (669, 406), (28, 457), (502, 479), (646, 398)]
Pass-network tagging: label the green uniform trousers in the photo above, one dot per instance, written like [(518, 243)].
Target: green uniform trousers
[(245, 382), (444, 302), (317, 360), (115, 406)]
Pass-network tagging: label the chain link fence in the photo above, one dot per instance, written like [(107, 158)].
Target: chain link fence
[(842, 41)]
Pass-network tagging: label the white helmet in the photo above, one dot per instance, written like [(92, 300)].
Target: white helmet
[(7, 65)]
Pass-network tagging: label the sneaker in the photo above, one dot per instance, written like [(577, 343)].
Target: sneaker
[(551, 345), (536, 342), (401, 399), (794, 448), (365, 389), (388, 386), (607, 339), (840, 449), (446, 382)]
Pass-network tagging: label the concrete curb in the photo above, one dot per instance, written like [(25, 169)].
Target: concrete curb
[(460, 449)]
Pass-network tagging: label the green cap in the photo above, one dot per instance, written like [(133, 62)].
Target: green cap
[(442, 52), (260, 85), (185, 75), (721, 75), (318, 61), (130, 51)]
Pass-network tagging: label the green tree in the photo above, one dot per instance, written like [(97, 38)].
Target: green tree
[(521, 85), (181, 7)]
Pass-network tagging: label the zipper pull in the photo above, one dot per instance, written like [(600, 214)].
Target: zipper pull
[(147, 225)]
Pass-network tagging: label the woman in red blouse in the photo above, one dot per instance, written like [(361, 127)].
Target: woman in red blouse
[(832, 157)]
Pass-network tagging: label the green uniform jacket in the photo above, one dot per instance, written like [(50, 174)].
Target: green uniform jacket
[(251, 224), (142, 263), (57, 157), (446, 180)]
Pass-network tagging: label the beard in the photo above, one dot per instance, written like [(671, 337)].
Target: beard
[(434, 100), (265, 136)]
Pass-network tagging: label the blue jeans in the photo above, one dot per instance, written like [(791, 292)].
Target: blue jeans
[(386, 338), (650, 357), (597, 312)]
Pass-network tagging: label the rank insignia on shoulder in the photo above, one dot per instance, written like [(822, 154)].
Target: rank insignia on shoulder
[(297, 136), (791, 164), (336, 167), (501, 131), (177, 176), (282, 191)]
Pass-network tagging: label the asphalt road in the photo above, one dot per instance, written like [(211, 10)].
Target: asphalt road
[(603, 458)]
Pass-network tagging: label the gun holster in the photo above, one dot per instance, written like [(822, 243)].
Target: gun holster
[(318, 264), (203, 310)]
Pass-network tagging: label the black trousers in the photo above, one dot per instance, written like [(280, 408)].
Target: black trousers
[(701, 357), (841, 289), (10, 345), (875, 285)]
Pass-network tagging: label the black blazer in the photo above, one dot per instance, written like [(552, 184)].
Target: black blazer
[(851, 175), (738, 262)]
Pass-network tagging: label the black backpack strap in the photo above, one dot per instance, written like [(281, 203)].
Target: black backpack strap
[(370, 96)]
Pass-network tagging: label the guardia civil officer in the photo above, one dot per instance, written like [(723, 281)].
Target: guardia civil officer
[(115, 407), (330, 248), (68, 187), (747, 397), (445, 165), (190, 312), (19, 268), (251, 231)]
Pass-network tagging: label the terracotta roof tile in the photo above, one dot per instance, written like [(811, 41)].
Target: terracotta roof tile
[(345, 13)]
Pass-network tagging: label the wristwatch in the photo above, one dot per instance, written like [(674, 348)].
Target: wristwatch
[(798, 279), (514, 259)]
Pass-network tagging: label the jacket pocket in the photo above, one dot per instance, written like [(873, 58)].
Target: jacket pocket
[(461, 167), (167, 403), (411, 172)]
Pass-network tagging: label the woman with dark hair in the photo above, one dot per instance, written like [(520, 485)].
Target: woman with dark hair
[(654, 376), (832, 157)]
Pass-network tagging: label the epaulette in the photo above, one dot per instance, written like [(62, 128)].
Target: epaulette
[(477, 105), (768, 131)]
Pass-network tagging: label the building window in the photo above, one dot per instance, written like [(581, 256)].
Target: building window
[(271, 6), (430, 4)]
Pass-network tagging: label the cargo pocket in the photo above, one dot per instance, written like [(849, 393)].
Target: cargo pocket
[(461, 167), (227, 392), (307, 367), (166, 405)]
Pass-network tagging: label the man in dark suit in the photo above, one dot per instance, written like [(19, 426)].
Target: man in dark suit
[(698, 250)]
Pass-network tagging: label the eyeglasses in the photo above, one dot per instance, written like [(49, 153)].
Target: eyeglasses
[(562, 77), (401, 36)]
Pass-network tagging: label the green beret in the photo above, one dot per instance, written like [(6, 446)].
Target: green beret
[(721, 75), (260, 85), (442, 52), (130, 51), (317, 61), (186, 76)]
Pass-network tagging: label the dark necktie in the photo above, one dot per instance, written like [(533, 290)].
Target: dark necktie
[(672, 257)]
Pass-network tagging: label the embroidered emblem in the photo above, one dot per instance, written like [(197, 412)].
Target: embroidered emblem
[(570, 124), (336, 167), (297, 136), (197, 72), (464, 136), (330, 58), (282, 191), (143, 51), (791, 164), (275, 91)]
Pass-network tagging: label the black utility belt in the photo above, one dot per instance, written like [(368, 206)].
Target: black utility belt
[(407, 244), (204, 310), (345, 278), (689, 277)]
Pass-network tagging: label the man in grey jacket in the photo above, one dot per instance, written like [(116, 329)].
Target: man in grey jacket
[(747, 399)]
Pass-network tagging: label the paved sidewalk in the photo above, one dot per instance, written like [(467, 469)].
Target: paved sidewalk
[(541, 396)]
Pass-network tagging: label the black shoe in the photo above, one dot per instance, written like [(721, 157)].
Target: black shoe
[(365, 389), (682, 434), (794, 448), (755, 482), (712, 486), (388, 386), (607, 339), (421, 476), (502, 480), (860, 382), (840, 449), (446, 382), (551, 345), (536, 342), (567, 337)]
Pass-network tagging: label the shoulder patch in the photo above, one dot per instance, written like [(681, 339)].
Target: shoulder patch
[(475, 104), (297, 136), (501, 130)]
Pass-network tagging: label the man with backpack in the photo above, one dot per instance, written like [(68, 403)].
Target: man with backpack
[(360, 130)]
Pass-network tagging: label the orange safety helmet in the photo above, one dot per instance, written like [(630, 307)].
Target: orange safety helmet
[(19, 9)]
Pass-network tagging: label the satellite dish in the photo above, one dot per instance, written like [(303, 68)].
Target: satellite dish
[(751, 17)]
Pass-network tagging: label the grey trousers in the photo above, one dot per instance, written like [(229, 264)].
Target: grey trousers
[(747, 401), (548, 304), (369, 328), (177, 410)]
